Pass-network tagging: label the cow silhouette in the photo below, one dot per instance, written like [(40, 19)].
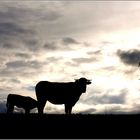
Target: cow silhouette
[(25, 102), (67, 93)]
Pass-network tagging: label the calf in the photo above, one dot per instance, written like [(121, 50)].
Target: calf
[(25, 102)]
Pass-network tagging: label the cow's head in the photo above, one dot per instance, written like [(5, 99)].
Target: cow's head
[(82, 82)]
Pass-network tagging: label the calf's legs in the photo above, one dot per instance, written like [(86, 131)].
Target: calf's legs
[(68, 109), (10, 108)]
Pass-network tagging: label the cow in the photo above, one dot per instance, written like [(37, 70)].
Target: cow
[(67, 93), (25, 102)]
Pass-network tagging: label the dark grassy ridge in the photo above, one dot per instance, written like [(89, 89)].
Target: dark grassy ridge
[(52, 126)]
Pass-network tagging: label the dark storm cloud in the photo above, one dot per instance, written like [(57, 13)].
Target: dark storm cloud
[(11, 33), (12, 29), (13, 12), (9, 15), (130, 57), (21, 12), (69, 41), (21, 22)]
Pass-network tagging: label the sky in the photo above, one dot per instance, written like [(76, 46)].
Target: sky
[(61, 41)]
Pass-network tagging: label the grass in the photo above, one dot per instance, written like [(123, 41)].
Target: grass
[(69, 126)]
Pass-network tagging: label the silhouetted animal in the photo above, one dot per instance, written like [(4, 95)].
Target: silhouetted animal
[(25, 102), (67, 93)]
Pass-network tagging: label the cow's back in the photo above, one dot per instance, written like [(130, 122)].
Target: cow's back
[(54, 87), (57, 93)]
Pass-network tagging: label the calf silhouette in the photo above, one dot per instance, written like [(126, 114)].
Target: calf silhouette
[(25, 102), (67, 93)]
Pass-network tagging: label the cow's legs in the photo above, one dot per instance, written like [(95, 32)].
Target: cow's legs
[(27, 111), (41, 105), (68, 109)]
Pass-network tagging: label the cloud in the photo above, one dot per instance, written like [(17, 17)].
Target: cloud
[(23, 55), (11, 33), (14, 80), (21, 68), (53, 59), (31, 11), (109, 68), (51, 109), (107, 98), (31, 88), (130, 57), (118, 99), (84, 60), (52, 46), (8, 45), (3, 107), (69, 41), (51, 16), (31, 42), (116, 109), (3, 98), (88, 111), (17, 64), (23, 64), (97, 52), (62, 45), (12, 29), (26, 65), (23, 23)]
